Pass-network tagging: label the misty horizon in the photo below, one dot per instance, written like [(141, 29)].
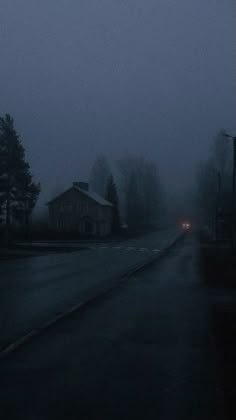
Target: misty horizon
[(153, 79)]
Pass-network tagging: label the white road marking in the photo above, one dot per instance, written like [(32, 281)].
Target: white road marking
[(129, 248)]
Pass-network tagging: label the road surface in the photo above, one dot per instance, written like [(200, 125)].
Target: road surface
[(144, 351), (33, 291)]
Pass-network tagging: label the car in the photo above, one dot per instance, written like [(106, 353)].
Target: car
[(186, 225)]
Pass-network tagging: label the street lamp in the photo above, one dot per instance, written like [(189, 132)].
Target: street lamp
[(233, 190)]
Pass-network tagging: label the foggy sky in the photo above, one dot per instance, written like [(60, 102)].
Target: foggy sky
[(153, 77)]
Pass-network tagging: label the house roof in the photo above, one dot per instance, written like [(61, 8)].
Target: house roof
[(94, 196), (90, 194)]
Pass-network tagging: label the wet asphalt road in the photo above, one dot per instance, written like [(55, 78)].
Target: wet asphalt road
[(32, 291), (145, 351)]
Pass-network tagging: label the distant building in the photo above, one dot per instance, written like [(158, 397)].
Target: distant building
[(79, 210)]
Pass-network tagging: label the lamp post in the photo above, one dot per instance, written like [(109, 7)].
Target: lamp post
[(233, 190)]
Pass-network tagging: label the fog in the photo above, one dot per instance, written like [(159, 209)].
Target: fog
[(82, 78)]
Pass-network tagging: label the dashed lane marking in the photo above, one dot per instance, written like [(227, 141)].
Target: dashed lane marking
[(129, 248)]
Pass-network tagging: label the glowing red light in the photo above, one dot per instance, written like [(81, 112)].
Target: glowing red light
[(186, 225)]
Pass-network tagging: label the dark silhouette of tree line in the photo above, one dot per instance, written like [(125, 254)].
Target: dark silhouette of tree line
[(136, 196), (214, 187)]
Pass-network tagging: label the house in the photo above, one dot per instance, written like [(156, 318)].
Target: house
[(81, 211)]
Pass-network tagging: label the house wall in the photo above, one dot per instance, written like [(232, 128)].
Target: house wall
[(74, 212)]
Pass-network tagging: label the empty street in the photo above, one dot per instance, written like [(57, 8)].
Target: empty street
[(144, 349)]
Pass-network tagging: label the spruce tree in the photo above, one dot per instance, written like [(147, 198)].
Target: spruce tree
[(18, 192)]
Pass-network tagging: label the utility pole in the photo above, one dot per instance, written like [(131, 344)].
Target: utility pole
[(233, 221)]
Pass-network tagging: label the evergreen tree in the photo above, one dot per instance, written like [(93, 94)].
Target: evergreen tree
[(112, 197), (18, 192)]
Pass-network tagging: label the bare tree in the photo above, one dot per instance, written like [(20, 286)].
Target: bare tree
[(99, 175), (141, 191)]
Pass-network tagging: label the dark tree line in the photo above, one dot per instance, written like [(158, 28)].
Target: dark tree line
[(214, 187), (141, 187), (140, 195), (18, 191)]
